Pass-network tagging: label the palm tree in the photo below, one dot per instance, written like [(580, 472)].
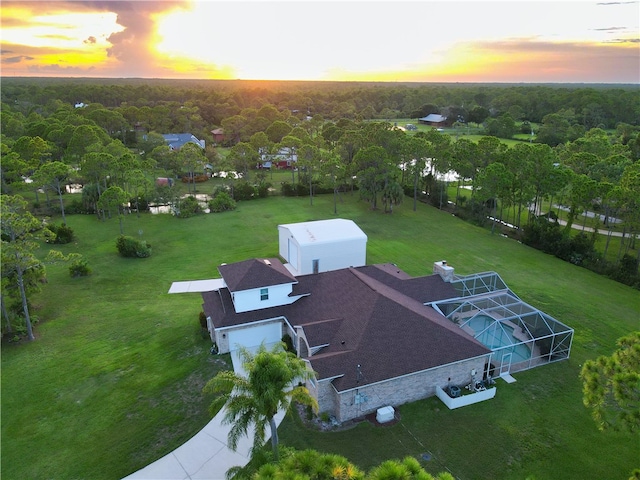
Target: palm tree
[(255, 399)]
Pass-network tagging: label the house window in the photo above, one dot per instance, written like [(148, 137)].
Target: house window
[(316, 266), (264, 294)]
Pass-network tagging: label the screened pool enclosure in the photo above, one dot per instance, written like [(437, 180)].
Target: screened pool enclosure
[(519, 335)]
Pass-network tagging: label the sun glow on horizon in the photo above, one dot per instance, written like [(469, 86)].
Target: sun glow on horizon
[(62, 30), (265, 45), (565, 41)]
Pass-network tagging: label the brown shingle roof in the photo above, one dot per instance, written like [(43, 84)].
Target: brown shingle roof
[(321, 332), (255, 273), (369, 316), (424, 289)]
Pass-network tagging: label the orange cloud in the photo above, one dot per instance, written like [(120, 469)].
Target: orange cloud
[(519, 61), (382, 41), (125, 51)]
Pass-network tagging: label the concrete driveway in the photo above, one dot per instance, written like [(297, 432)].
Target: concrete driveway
[(206, 456)]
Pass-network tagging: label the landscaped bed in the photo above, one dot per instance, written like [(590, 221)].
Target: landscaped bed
[(475, 395)]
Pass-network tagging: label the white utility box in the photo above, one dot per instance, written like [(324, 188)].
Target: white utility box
[(385, 414)]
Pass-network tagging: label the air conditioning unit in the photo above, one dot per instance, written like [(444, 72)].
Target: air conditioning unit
[(385, 414)]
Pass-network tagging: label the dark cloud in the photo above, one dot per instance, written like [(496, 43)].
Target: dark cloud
[(91, 39), (56, 69), (131, 45), (16, 59)]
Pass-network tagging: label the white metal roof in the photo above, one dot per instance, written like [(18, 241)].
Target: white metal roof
[(195, 286), (324, 231)]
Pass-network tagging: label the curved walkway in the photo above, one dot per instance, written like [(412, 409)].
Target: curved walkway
[(206, 456)]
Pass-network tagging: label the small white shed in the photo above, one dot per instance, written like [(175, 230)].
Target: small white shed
[(322, 246)]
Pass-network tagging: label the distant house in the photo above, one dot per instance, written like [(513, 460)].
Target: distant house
[(373, 335), (164, 182), (434, 119), (286, 157), (177, 140), (218, 135)]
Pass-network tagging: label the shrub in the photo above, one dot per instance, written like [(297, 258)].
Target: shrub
[(79, 268), (288, 190), (78, 207), (301, 189), (221, 189), (195, 178), (262, 190), (203, 320), (64, 234), (141, 203), (473, 211), (221, 203), (188, 207), (244, 191), (438, 194), (288, 341), (132, 248), (627, 271)]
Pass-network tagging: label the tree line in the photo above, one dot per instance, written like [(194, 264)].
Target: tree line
[(197, 105), (116, 158)]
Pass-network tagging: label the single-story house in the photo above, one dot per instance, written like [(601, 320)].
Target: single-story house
[(374, 335), (365, 331), (177, 140), (286, 157), (434, 119)]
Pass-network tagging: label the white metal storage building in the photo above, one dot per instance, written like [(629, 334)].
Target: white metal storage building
[(322, 246)]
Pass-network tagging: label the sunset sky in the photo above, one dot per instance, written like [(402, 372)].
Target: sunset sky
[(420, 41)]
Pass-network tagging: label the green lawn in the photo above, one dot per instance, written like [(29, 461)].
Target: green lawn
[(113, 380)]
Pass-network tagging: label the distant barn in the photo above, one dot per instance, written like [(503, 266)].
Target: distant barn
[(434, 119)]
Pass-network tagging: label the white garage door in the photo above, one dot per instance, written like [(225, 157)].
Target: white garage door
[(254, 336)]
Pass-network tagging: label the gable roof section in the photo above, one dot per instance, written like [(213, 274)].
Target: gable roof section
[(322, 332), (324, 231), (255, 273)]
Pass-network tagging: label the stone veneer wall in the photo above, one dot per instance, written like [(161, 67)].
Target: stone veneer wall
[(400, 390), (327, 397)]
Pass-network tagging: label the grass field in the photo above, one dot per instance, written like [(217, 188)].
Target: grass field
[(113, 380)]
